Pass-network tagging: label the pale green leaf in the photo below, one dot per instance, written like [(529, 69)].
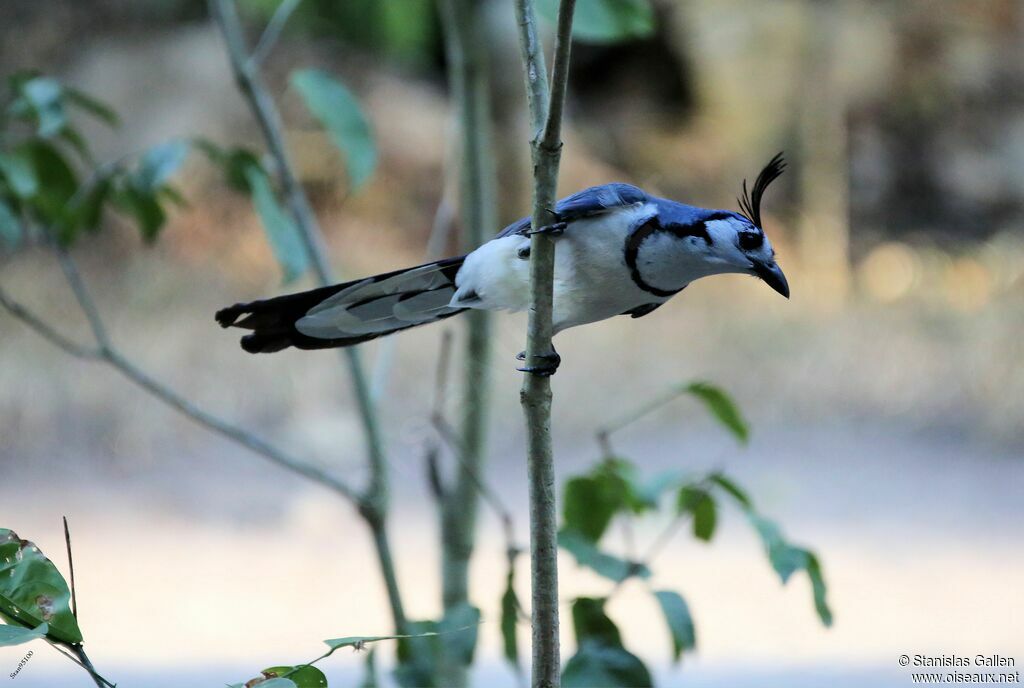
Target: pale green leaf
[(680, 623), (587, 554), (605, 21), (787, 559), (279, 226), (16, 167), (16, 635), (339, 113), (45, 97), (158, 165), (459, 626)]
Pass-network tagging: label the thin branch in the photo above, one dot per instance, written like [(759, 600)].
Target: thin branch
[(273, 31), (608, 429), (45, 331), (71, 569), (88, 306), (269, 119), (113, 357), (433, 448), (451, 437), (535, 72), (87, 663), (78, 656), (373, 503), (466, 40), (233, 432), (545, 117)]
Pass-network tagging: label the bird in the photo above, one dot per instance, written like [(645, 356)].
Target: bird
[(618, 251)]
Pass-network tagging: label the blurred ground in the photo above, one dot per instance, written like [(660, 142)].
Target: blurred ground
[(887, 426)]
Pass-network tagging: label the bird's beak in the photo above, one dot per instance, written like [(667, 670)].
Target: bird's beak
[(772, 275)]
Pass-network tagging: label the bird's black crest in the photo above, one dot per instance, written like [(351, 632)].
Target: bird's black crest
[(750, 203)]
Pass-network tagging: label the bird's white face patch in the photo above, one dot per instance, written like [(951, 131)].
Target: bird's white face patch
[(736, 244)]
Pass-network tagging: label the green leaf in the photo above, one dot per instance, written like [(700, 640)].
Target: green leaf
[(721, 407), (10, 226), (44, 96), (818, 589), (145, 208), (236, 166), (158, 165), (280, 227), (509, 618), (358, 641), (17, 635), (587, 554), (234, 162), (600, 658), (32, 591), (680, 623), (17, 168), (700, 505), (58, 183), (605, 666), (370, 679), (591, 623), (787, 559), (88, 211), (589, 504), (303, 676), (460, 625), (93, 106), (732, 489), (339, 113), (605, 21)]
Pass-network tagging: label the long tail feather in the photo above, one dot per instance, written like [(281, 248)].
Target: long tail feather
[(349, 313)]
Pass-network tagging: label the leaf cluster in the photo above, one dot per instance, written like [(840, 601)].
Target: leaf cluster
[(615, 489)]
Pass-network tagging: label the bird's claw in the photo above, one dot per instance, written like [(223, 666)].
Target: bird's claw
[(556, 228), (550, 364)]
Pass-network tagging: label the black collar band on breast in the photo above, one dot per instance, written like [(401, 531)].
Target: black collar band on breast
[(633, 242)]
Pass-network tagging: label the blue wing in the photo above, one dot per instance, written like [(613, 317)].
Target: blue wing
[(587, 203)]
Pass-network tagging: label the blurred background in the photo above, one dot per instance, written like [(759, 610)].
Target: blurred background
[(886, 397)]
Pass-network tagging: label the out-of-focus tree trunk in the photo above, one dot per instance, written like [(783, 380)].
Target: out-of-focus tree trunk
[(824, 232), (466, 48)]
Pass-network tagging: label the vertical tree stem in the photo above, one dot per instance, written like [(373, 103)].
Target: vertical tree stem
[(374, 502), (465, 31), (546, 121)]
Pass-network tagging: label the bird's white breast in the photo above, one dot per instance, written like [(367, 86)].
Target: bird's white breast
[(592, 281)]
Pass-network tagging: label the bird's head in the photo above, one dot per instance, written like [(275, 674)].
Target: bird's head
[(738, 243)]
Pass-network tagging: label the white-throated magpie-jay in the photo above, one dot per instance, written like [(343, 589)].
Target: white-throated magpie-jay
[(618, 251)]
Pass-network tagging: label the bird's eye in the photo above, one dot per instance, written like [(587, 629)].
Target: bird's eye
[(750, 241)]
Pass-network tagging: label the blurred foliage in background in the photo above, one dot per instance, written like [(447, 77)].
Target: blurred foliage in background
[(407, 31)]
